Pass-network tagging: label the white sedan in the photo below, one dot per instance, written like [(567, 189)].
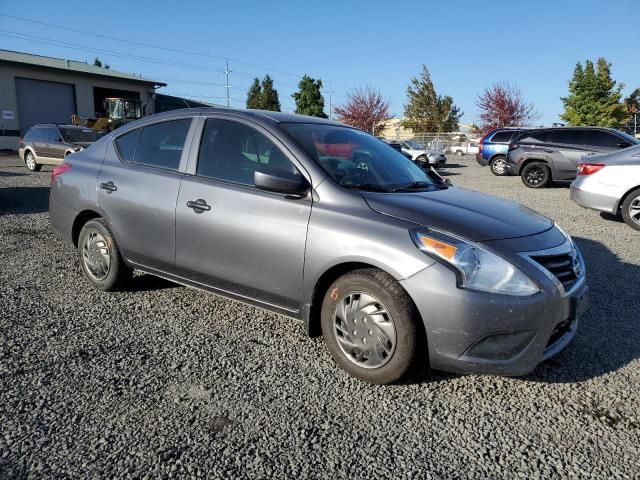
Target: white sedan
[(610, 183)]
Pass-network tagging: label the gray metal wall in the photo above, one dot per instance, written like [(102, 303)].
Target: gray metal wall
[(40, 101)]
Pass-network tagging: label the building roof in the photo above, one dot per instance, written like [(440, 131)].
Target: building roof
[(71, 66)]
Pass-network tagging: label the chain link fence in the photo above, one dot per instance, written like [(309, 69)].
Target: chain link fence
[(441, 141)]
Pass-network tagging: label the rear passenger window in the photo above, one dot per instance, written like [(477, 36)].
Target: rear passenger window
[(598, 138), (127, 143), (535, 137), (502, 137), (158, 145), (568, 137)]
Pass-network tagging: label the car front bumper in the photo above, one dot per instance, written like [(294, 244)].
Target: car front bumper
[(483, 333)]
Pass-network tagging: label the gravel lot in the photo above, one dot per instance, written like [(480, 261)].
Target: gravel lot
[(163, 381)]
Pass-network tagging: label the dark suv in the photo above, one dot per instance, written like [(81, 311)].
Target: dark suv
[(48, 144), (543, 155), (493, 148)]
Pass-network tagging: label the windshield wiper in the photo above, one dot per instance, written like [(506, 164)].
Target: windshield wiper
[(367, 186), (417, 186)]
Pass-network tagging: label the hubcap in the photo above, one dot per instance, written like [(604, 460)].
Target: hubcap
[(96, 256), (634, 210), (499, 166), (535, 176), (30, 161), (364, 330)]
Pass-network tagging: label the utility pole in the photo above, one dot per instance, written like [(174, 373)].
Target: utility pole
[(330, 105), (227, 86)]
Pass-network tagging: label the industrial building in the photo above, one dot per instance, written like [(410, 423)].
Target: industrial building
[(36, 89)]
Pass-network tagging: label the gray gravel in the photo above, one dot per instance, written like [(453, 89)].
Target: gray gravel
[(162, 381)]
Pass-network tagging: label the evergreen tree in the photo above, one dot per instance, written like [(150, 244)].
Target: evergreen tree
[(270, 99), (594, 97), (426, 111), (309, 100), (632, 107), (254, 95)]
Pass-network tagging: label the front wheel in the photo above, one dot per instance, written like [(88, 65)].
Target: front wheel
[(631, 209), (30, 162), (536, 175), (370, 326), (423, 161), (100, 257), (498, 166), (459, 153)]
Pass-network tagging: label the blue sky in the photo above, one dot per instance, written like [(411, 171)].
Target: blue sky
[(466, 45)]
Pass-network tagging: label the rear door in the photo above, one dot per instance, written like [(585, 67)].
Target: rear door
[(138, 187), (38, 141), (565, 151), (48, 145), (245, 241)]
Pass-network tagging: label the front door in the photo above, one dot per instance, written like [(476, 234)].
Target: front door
[(229, 234)]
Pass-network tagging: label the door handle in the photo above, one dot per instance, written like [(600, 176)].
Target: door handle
[(548, 150), (108, 186), (199, 205)]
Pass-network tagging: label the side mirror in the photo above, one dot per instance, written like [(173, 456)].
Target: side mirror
[(281, 181), (59, 140)]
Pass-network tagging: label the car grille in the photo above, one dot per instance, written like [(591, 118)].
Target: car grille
[(565, 267)]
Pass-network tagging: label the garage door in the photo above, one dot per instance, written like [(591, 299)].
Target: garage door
[(44, 102)]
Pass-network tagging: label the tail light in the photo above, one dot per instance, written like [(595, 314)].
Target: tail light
[(589, 168), (481, 142), (59, 170), (21, 143)]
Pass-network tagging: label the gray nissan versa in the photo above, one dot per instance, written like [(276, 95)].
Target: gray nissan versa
[(322, 222)]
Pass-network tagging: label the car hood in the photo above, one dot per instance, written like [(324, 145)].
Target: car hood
[(470, 214)]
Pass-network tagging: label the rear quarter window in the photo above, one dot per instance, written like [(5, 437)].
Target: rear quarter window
[(126, 144), (501, 137)]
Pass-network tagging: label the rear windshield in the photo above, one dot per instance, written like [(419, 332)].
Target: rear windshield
[(79, 135)]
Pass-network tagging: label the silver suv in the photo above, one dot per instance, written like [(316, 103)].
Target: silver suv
[(322, 222)]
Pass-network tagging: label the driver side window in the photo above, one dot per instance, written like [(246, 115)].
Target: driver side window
[(233, 152)]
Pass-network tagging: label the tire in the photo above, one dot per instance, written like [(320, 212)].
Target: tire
[(459, 153), (536, 175), (30, 162), (423, 161), (498, 166), (100, 257), (631, 209), (396, 329)]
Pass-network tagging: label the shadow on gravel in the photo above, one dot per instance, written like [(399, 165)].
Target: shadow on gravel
[(608, 337), (148, 283), (455, 165), (12, 174), (16, 200), (611, 217)]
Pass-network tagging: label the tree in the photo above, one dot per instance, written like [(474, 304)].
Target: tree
[(426, 111), (254, 95), (309, 100), (504, 105), (270, 99), (263, 96), (594, 97), (98, 63), (632, 107), (365, 109)]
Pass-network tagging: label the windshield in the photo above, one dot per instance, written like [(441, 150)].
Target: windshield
[(79, 135), (631, 139), (356, 160), (415, 145)]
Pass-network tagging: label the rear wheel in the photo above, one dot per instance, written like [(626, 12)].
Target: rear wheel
[(459, 153), (100, 258), (498, 166), (369, 324), (30, 161), (631, 209), (536, 175)]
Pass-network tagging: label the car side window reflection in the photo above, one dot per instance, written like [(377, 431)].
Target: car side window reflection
[(232, 152)]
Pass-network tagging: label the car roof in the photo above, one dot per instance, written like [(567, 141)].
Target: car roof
[(62, 125)]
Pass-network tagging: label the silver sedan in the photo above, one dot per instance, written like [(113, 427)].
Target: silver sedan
[(611, 183)]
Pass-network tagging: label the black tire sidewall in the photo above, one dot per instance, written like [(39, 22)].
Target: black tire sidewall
[(422, 160), (625, 209), (544, 167), (401, 310), (117, 269)]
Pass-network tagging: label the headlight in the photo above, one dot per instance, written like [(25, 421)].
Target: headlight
[(478, 268)]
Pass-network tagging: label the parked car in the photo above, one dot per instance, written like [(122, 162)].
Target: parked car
[(467, 148), (493, 147), (611, 183), (422, 155), (397, 146), (547, 154), (379, 256), (48, 144)]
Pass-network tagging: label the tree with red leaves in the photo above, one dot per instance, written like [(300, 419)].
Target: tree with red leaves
[(365, 109), (504, 105)]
